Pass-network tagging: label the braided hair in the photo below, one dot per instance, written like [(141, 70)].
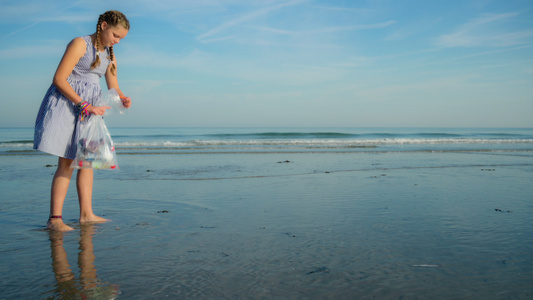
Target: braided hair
[(112, 18)]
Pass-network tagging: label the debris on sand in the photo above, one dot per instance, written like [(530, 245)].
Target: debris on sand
[(319, 270)]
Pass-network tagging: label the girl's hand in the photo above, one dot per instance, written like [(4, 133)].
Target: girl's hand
[(97, 110), (126, 101)]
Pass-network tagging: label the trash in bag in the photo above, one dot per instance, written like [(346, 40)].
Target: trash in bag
[(112, 99), (95, 146)]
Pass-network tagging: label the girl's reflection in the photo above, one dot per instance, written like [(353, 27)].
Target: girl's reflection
[(88, 286)]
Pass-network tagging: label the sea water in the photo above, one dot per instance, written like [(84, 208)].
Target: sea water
[(286, 213), (216, 140)]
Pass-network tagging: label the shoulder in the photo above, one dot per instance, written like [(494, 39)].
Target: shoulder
[(77, 47), (78, 43)]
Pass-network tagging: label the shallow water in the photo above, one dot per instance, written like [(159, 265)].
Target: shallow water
[(404, 225)]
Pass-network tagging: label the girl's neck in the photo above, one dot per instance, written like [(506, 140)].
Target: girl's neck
[(93, 40)]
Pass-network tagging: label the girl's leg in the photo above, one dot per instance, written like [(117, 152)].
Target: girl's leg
[(59, 190), (84, 183)]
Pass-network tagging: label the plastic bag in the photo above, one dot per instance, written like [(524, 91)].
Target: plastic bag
[(95, 146), (112, 99)]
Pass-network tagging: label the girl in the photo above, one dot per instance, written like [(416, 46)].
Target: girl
[(73, 93)]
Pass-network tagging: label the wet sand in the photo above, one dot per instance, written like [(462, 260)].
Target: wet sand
[(277, 226)]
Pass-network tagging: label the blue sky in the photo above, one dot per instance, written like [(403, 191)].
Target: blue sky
[(466, 63)]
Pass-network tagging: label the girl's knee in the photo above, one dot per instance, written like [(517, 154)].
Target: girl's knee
[(63, 166), (64, 162), (85, 172)]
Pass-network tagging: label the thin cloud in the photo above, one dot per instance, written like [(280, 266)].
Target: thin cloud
[(24, 52), (331, 29), (220, 39), (486, 53), (412, 30), (68, 19), (146, 85), (71, 19), (245, 18), (485, 31), (21, 10), (347, 9), (20, 30)]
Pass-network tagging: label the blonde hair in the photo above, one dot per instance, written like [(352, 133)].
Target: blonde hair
[(112, 18)]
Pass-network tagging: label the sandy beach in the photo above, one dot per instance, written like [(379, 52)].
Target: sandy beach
[(411, 225)]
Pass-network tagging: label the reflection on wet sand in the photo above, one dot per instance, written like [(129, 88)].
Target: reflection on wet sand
[(87, 286)]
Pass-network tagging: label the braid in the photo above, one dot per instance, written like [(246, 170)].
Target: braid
[(112, 59), (96, 62), (112, 18)]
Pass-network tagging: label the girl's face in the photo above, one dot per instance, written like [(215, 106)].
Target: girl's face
[(111, 35)]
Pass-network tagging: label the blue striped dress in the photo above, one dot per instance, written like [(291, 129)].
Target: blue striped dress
[(57, 119)]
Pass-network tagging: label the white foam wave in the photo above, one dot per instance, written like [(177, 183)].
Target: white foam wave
[(319, 142), (16, 145), (330, 143)]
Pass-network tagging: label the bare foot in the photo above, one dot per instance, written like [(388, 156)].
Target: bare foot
[(58, 225), (92, 219)]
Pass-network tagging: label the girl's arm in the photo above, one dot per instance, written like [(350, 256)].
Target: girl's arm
[(112, 83), (75, 50)]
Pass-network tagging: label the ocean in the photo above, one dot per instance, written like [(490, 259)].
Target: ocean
[(278, 213), (272, 140)]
